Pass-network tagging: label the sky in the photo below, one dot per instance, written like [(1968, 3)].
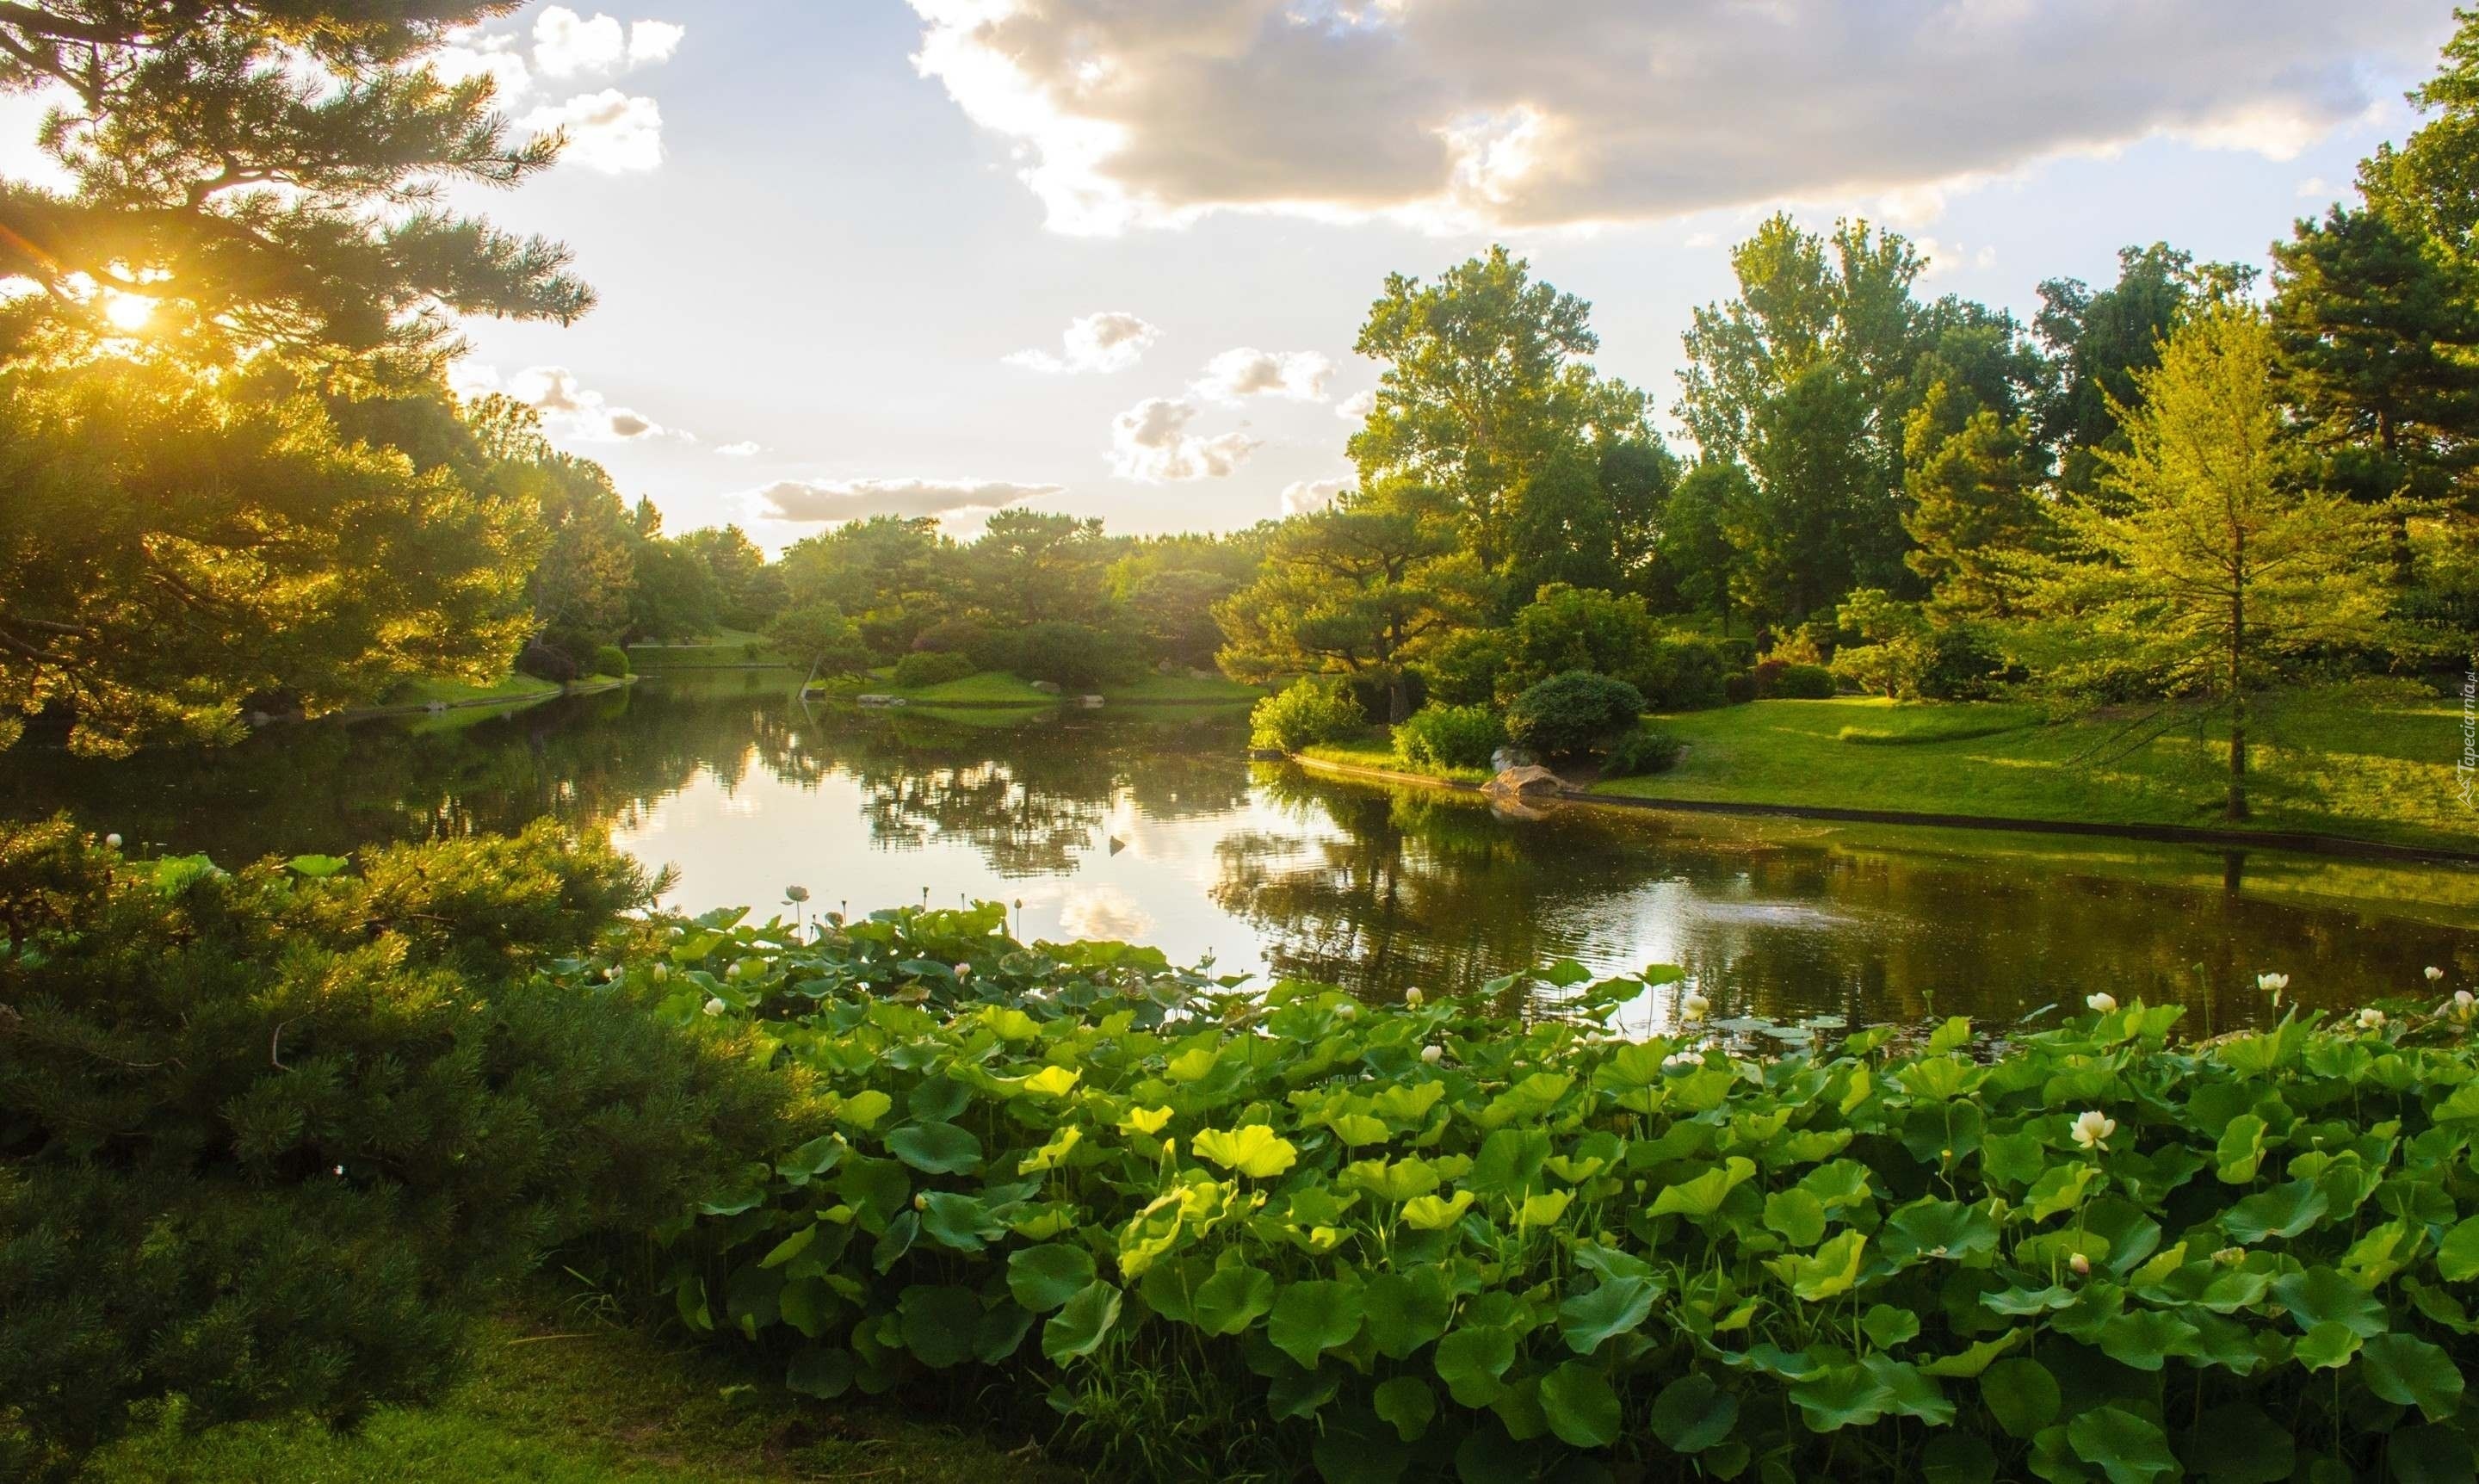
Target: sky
[(1110, 256)]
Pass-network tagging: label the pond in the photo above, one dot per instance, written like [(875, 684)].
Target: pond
[(1150, 825)]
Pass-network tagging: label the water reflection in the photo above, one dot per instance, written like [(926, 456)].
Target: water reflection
[(1151, 827)]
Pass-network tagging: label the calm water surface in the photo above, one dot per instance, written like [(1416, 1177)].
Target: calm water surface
[(1151, 827)]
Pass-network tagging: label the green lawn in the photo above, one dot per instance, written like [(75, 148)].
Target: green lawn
[(1376, 749), (997, 688), (549, 1401), (2364, 762), (725, 650), (429, 690), (2359, 761)]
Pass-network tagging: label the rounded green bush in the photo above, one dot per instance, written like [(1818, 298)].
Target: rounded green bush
[(925, 668), (1307, 712), (1799, 682), (1449, 736), (612, 660), (1645, 750), (1573, 714)]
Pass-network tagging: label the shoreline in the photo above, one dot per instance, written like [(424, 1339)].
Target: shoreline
[(2295, 841)]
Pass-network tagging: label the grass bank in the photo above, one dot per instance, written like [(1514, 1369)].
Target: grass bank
[(554, 1400), (730, 649), (997, 688), (2358, 762), (434, 691)]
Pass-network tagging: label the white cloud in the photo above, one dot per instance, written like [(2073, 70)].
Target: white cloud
[(1357, 407), (572, 410), (1111, 340), (1464, 112), (738, 450), (2313, 187), (1300, 375), (607, 131), (1303, 495), (1151, 442), (854, 499), (653, 42), (469, 53), (566, 44)]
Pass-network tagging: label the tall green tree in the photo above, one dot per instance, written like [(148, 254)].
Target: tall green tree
[(2379, 334), (1975, 481), (175, 551), (2212, 570), (2101, 342), (2429, 184), (1489, 399), (1363, 588)]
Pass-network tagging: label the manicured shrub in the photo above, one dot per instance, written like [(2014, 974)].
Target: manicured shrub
[(1797, 682), (1073, 655), (1295, 1235), (1438, 736), (1682, 673), (1573, 714), (267, 1139), (544, 661), (612, 660), (1645, 750), (1463, 669), (931, 667), (1309, 710), (1966, 664)]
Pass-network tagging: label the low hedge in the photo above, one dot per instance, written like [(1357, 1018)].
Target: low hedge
[(1289, 1233)]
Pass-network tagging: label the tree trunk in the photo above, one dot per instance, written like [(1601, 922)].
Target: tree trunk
[(1398, 700), (2238, 801)]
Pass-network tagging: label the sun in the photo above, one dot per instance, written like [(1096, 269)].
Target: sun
[(128, 312)]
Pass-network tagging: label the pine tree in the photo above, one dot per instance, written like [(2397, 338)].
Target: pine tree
[(2210, 570), (1976, 506), (268, 177), (2379, 336)]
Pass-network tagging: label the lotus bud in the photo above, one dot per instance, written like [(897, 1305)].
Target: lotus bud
[(2433, 974), (1412, 997), (2371, 1020), (715, 1006), (1345, 1011), (112, 842), (920, 1202), (2101, 1004), (1433, 1055), (795, 893), (2080, 1263)]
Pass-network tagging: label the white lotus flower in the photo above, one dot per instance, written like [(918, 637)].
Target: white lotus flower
[(715, 1006), (111, 843), (2080, 1263), (2275, 983), (1679, 1059), (1433, 1055), (1412, 997), (733, 972), (2093, 1129), (2371, 1020), (2101, 1004), (1695, 1006), (2464, 1002), (2434, 973), (1345, 1011)]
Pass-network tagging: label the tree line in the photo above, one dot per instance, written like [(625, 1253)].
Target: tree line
[(237, 480)]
